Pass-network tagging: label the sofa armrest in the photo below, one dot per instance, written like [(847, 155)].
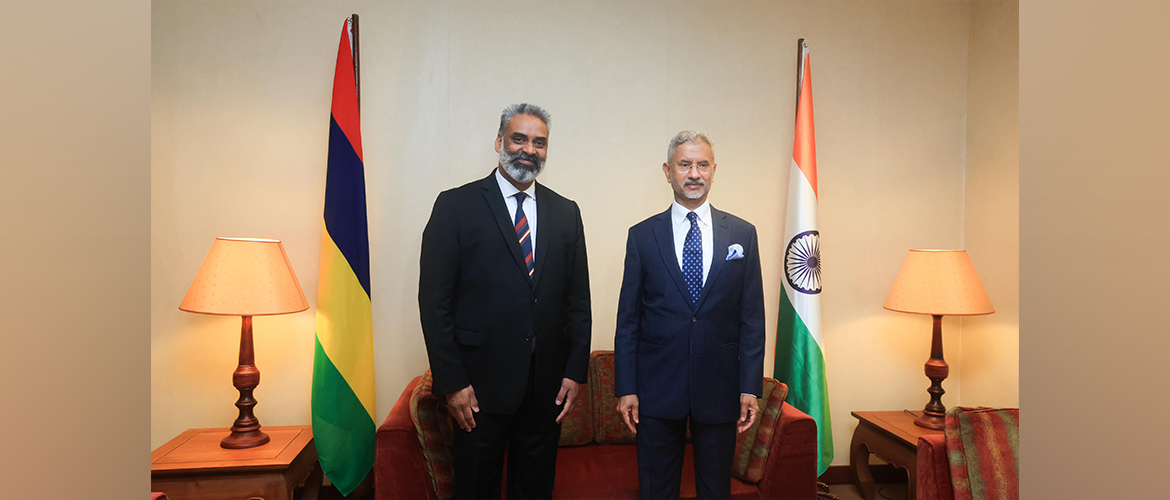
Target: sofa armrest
[(399, 468), (791, 469), (934, 470)]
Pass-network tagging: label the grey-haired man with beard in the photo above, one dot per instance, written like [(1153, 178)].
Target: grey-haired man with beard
[(504, 302), (689, 343)]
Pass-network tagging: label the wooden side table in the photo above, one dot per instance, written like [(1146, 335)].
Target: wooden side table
[(194, 466), (893, 437)]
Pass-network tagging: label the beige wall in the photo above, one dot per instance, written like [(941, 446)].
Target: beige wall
[(240, 110), (991, 224)]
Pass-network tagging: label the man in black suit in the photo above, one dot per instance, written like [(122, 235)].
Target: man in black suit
[(689, 345), (504, 300)]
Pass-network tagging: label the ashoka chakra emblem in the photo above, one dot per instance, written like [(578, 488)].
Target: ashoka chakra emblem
[(802, 262)]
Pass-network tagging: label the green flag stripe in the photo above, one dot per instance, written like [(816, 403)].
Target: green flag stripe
[(801, 364), (342, 428)]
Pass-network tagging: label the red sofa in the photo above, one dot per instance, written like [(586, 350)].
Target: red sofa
[(934, 472), (775, 459), (981, 446)]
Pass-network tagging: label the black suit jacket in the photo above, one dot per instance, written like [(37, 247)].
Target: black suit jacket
[(479, 308), (679, 357)]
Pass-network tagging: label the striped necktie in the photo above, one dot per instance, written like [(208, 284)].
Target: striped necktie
[(524, 233)]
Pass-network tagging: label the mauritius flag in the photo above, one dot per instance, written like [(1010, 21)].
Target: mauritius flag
[(800, 359), (343, 361)]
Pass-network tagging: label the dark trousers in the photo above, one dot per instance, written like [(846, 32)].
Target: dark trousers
[(661, 446), (530, 436)]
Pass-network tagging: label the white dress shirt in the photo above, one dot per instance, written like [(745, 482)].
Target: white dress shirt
[(682, 225), (509, 191)]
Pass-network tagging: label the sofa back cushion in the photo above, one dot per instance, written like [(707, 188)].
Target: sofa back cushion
[(577, 426), (435, 434), (608, 426), (983, 447), (751, 447)]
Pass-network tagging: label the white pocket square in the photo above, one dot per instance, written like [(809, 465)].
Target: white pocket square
[(734, 252)]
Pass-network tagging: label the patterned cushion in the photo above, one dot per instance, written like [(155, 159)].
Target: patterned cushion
[(751, 447), (435, 435), (983, 450), (609, 427), (577, 426)]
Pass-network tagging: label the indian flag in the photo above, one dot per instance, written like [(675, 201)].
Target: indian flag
[(343, 361), (800, 359)]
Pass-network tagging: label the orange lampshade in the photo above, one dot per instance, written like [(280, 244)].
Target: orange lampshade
[(941, 282), (245, 277)]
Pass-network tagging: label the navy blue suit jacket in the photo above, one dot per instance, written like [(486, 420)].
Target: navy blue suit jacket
[(679, 356)]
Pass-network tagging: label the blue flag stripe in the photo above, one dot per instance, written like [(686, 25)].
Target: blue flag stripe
[(345, 204)]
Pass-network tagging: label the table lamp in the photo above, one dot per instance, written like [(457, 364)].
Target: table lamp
[(245, 277), (938, 283)]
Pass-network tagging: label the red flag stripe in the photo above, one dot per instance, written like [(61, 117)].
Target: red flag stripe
[(804, 148), (345, 105)]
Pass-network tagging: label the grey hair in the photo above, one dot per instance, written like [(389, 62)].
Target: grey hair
[(523, 109), (685, 137)]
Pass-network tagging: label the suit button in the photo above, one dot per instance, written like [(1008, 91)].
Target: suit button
[(534, 300), (694, 320)]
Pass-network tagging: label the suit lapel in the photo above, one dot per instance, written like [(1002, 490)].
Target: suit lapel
[(719, 241), (664, 236), (542, 244), (495, 201)]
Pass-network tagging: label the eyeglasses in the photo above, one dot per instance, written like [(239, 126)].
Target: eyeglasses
[(685, 166)]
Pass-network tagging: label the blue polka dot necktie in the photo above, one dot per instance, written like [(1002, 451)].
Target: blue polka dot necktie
[(692, 261)]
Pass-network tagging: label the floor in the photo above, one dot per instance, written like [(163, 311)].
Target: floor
[(891, 491)]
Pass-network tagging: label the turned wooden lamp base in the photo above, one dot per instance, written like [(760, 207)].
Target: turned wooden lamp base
[(241, 440), (933, 416), (932, 422), (246, 429)]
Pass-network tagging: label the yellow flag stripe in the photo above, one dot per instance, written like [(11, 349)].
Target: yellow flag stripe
[(345, 322)]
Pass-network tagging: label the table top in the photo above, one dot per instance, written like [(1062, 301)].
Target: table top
[(899, 424), (198, 450)]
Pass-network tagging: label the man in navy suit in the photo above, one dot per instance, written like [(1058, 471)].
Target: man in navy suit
[(689, 346)]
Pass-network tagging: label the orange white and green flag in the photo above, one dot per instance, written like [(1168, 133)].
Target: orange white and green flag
[(800, 357), (343, 359)]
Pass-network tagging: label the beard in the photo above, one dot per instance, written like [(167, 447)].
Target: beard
[(681, 191), (520, 172)]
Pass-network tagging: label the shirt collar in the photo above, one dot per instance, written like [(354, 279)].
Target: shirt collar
[(678, 213), (508, 190)]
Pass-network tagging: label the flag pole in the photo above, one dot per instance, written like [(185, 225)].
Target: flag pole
[(357, 63), (800, 45), (823, 492), (343, 399)]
